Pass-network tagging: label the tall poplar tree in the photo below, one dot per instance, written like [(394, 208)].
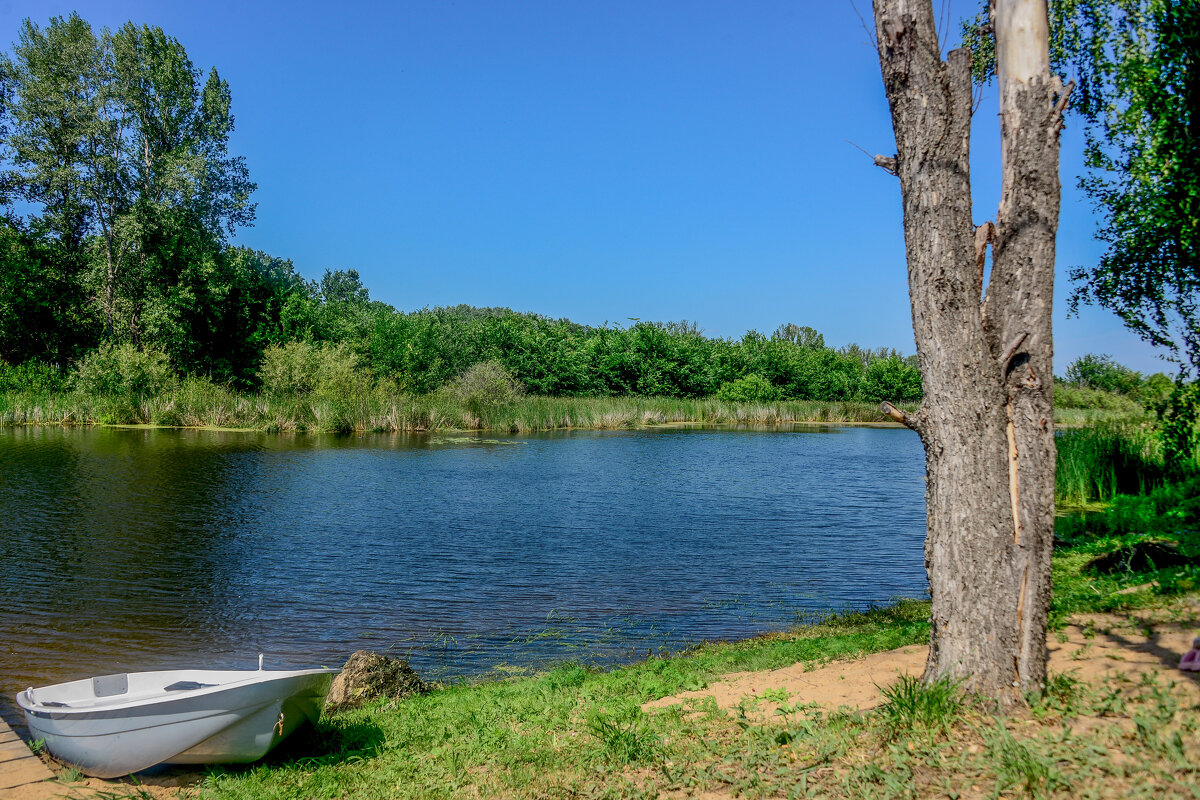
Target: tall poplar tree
[(123, 149), (65, 142)]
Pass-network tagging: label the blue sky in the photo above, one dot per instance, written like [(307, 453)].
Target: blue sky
[(591, 160)]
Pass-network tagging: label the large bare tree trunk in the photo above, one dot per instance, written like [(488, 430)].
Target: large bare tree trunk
[(986, 421)]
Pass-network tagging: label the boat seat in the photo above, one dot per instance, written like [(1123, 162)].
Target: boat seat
[(182, 686), (110, 685)]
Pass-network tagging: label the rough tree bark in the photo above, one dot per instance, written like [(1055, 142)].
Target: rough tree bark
[(987, 418)]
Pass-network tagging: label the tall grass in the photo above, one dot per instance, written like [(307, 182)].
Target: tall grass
[(199, 403), (195, 403), (1096, 464)]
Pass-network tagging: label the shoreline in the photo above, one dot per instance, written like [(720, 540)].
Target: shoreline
[(221, 410), (840, 671)]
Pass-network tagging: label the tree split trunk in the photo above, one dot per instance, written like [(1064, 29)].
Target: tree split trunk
[(987, 418)]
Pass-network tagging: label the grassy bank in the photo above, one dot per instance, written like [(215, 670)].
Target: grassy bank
[(201, 404), (577, 731)]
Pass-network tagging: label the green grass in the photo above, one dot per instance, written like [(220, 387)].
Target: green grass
[(196, 403), (1097, 463), (200, 404), (538, 736), (911, 705), (578, 731)]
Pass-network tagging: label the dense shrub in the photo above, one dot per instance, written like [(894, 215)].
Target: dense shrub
[(121, 370), (751, 389), (1067, 396), (31, 376), (485, 385), (327, 370)]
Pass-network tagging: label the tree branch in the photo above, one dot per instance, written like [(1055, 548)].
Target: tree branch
[(983, 235), (1060, 105), (912, 421), (887, 163)]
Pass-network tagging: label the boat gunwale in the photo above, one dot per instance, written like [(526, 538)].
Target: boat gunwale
[(163, 698)]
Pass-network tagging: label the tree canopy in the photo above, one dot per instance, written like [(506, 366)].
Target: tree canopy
[(119, 149)]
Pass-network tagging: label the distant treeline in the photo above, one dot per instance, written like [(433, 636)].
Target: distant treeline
[(249, 307), (1097, 381)]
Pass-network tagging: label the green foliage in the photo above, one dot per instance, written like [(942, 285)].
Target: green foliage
[(130, 205), (31, 376), (800, 335), (892, 379), (118, 147), (123, 371), (1167, 511), (44, 305), (329, 371), (485, 386), (1177, 422), (1102, 373), (1067, 396), (1097, 381), (1139, 96), (752, 388)]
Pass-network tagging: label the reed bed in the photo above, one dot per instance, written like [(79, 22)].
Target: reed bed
[(1098, 463), (196, 404), (200, 404)]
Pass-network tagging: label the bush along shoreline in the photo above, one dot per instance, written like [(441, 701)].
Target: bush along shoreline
[(312, 387)]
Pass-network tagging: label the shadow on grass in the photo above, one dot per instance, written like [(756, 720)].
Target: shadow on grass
[(329, 742)]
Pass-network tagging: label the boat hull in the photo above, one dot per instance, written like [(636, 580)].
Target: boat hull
[(227, 721)]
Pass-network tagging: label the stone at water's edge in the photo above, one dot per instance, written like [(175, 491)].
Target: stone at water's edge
[(371, 676)]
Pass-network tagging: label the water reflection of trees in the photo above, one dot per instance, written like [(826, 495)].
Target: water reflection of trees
[(117, 542)]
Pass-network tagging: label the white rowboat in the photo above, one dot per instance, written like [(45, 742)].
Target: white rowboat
[(117, 724)]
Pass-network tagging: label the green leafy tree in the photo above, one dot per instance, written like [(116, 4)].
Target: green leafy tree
[(800, 335), (1138, 93), (187, 191), (1094, 371), (44, 308), (122, 149), (1137, 61), (65, 141)]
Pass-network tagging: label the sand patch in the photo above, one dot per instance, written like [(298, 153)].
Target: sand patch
[(1097, 647)]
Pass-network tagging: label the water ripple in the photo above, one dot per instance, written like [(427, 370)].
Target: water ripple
[(131, 549)]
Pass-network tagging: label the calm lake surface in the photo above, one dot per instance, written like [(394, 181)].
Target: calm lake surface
[(130, 549)]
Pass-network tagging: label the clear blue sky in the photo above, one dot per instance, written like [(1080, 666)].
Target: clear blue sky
[(591, 160)]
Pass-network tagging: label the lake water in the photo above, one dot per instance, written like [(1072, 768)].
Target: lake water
[(132, 549)]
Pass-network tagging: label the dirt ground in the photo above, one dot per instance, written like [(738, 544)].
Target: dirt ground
[(1093, 649)]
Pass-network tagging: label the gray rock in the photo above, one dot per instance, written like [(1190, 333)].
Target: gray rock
[(370, 676)]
